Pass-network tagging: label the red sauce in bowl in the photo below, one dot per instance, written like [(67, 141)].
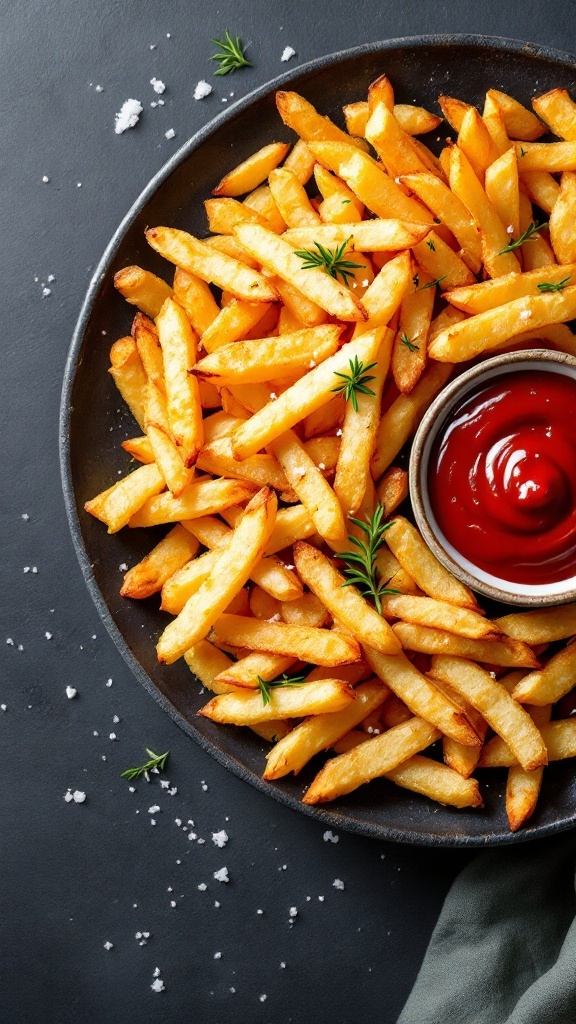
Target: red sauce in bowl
[(502, 477)]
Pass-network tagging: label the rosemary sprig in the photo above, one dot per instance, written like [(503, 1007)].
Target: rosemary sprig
[(231, 55), (409, 344), (329, 259), (355, 381), (432, 283), (430, 244), (551, 286), (530, 232), (156, 761), (360, 564), (264, 686)]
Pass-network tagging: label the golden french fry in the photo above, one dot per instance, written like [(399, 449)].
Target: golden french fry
[(245, 672), (409, 548), (370, 760), (523, 788), (210, 265), (437, 781), (549, 684), (506, 652), (230, 246), (149, 575), (196, 299), (503, 190), (392, 490), (359, 433), (291, 524), (262, 201), (536, 251), (394, 712), (400, 421), (263, 605), (541, 188), (453, 110), (427, 611), (143, 289), (322, 731), (394, 146), (224, 214), (260, 360), (201, 498), (367, 236), (559, 737), (494, 327), (247, 707), (394, 576), (492, 117), (310, 486), (229, 574), (324, 452), (495, 704), (373, 187), (305, 611), (383, 296), (554, 157), (300, 161), (233, 323), (475, 141), (305, 120), (413, 120), (519, 122), (319, 646), (497, 292), (252, 172), (185, 582), (165, 452), (558, 110), (541, 626), (178, 344), (139, 448), (119, 503), (304, 397), (409, 354), (129, 377), (421, 696), (326, 418), (344, 602), (442, 263), (291, 199), (562, 220), (146, 337)]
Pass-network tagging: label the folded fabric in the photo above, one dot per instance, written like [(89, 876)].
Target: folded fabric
[(504, 948)]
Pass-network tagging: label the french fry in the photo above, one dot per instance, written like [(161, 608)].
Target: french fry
[(558, 110), (300, 161), (554, 157), (492, 117), (394, 146), (421, 696), (326, 418), (320, 646), (541, 188), (231, 571), (475, 141), (142, 289), (409, 548), (224, 214), (549, 684), (230, 246), (374, 188), (453, 110), (503, 191), (437, 781), (427, 611), (211, 266), (262, 201), (344, 602), (330, 185), (247, 707), (185, 582), (304, 397), (367, 236), (495, 704), (217, 458), (384, 295), (523, 788), (201, 498), (252, 172), (321, 731), (263, 605), (291, 524), (309, 312), (324, 452), (359, 672), (259, 360), (196, 299), (336, 210), (119, 503), (394, 712), (178, 344), (495, 239), (395, 577), (304, 119), (233, 323), (446, 206), (291, 199), (413, 120), (311, 487), (558, 736), (494, 327), (409, 353), (519, 122), (536, 251), (129, 377), (541, 626), (392, 489), (244, 673), (442, 263), (370, 760), (562, 220), (139, 448), (506, 652), (146, 337), (400, 421), (305, 611), (149, 575), (165, 452), (359, 432), (497, 292)]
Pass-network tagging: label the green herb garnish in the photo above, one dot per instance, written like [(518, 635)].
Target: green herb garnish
[(157, 761), (430, 244), (360, 562), (330, 260), (355, 381), (551, 286), (264, 686), (409, 344), (432, 283), (231, 56), (346, 201), (522, 152), (530, 232)]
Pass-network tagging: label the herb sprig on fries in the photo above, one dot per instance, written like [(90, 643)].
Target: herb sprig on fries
[(331, 260), (231, 55), (360, 561)]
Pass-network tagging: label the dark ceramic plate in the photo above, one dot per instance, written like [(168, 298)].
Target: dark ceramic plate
[(93, 424)]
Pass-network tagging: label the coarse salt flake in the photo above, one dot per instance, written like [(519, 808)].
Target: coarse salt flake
[(170, 133), (288, 52), (330, 837), (220, 838), (71, 692), (154, 809), (3, 707), (510, 229), (45, 179), (108, 945), (113, 736), (157, 985), (46, 292), (525, 314), (78, 796), (157, 85), (293, 912), (217, 956), (338, 883), (202, 887), (222, 875), (48, 635), (202, 90), (128, 116)]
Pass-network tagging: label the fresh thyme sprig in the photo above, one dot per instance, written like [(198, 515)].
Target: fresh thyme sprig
[(532, 230), (432, 283), (231, 56), (551, 286), (409, 344), (430, 244), (264, 686), (355, 381), (156, 761), (360, 564), (329, 259)]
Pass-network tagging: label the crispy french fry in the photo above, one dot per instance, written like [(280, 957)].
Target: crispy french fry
[(392, 489), (196, 299), (400, 421), (324, 452), (139, 448), (394, 146), (374, 188), (230, 246), (262, 201), (421, 696), (409, 353), (359, 672), (252, 172), (536, 251), (502, 189), (224, 214), (497, 292), (328, 417), (559, 738), (201, 498), (233, 323), (475, 141), (304, 397), (149, 575), (549, 684), (311, 487), (492, 117), (394, 576), (344, 602), (495, 704), (453, 110), (523, 788), (367, 236), (210, 265), (562, 220), (413, 120), (143, 289), (320, 646), (558, 110), (247, 707), (263, 605), (305, 120), (231, 571), (343, 774), (554, 157), (322, 731), (259, 360), (437, 781), (305, 611), (506, 652), (300, 161), (165, 452), (245, 672), (291, 199), (442, 263), (146, 337), (178, 344), (260, 470), (541, 626), (409, 548), (119, 503), (494, 327), (129, 377), (519, 122), (384, 295), (426, 611)]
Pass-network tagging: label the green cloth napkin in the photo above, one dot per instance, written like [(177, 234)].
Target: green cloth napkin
[(504, 948)]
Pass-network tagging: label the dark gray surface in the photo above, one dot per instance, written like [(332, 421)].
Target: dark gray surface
[(70, 874)]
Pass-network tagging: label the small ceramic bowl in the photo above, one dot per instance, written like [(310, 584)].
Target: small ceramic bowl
[(477, 579)]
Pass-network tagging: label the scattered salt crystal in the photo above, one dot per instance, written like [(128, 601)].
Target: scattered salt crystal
[(220, 838), (46, 292), (525, 314), (216, 903), (202, 887), (48, 635), (217, 956), (173, 791), (510, 229), (263, 997), (282, 964), (321, 898), (293, 912), (154, 809), (170, 133), (99, 88), (108, 945), (273, 396), (330, 837), (113, 736), (204, 787), (153, 103), (178, 821), (71, 692), (172, 903), (25, 517), (168, 35), (338, 883), (45, 179), (157, 985), (123, 567), (3, 707), (202, 90), (68, 796), (78, 184), (157, 85), (131, 789), (201, 842), (108, 682), (26, 569), (51, 278), (288, 52), (221, 875), (116, 719), (192, 836), (34, 568), (321, 465)]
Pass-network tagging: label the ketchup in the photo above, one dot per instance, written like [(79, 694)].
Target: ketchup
[(502, 477)]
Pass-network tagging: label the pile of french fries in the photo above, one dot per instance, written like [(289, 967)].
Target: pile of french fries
[(263, 468)]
